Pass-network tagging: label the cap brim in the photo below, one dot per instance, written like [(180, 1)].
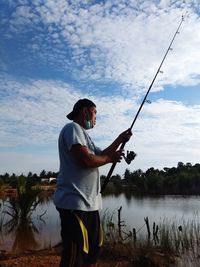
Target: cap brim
[(70, 116)]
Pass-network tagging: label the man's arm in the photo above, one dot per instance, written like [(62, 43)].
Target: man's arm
[(88, 160)]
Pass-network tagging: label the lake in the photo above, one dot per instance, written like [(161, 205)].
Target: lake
[(44, 229)]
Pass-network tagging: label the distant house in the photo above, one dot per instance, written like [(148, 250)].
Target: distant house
[(52, 180), (48, 180)]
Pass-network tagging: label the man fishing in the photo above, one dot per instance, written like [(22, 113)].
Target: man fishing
[(77, 196)]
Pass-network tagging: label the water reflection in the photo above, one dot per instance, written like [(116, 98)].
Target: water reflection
[(24, 237), (22, 233), (16, 219), (40, 228)]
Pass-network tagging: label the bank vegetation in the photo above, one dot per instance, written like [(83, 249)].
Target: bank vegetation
[(184, 179)]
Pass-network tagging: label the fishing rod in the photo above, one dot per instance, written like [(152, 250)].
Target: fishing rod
[(138, 112)]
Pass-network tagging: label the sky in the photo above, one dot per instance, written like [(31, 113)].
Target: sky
[(54, 52)]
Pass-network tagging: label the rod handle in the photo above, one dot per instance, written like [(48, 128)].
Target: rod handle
[(110, 171)]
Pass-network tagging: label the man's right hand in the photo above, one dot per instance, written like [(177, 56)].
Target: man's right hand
[(116, 156)]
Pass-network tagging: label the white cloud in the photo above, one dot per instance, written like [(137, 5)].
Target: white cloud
[(23, 162), (34, 112), (123, 43), (117, 42)]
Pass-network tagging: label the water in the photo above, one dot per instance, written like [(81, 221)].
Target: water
[(156, 208), (44, 230)]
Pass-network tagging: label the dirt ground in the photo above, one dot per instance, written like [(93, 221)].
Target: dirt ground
[(46, 258), (48, 261), (51, 258)]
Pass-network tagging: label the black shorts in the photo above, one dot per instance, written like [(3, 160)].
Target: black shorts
[(82, 237)]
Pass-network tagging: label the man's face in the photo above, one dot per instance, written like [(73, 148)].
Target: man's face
[(92, 115)]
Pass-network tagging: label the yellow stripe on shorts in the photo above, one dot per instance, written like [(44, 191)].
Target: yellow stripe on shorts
[(85, 235)]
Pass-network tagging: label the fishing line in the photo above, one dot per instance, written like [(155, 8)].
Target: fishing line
[(144, 100)]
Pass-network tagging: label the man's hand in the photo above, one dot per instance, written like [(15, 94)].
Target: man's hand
[(125, 136), (112, 153), (116, 156)]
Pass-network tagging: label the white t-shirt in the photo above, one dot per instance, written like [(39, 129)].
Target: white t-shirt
[(78, 188)]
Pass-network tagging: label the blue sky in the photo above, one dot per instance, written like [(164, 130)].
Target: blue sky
[(55, 52)]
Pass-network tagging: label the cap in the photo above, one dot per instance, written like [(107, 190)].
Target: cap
[(80, 104)]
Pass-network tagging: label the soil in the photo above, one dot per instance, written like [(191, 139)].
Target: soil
[(48, 261), (47, 258), (110, 257)]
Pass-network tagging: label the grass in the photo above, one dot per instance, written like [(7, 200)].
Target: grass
[(16, 216), (176, 242)]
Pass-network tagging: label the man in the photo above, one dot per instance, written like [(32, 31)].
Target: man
[(77, 196)]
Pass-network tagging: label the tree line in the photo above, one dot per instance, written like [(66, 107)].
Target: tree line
[(183, 179), (31, 178)]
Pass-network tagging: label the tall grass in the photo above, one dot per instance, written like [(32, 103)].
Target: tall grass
[(17, 216), (180, 236), (179, 239)]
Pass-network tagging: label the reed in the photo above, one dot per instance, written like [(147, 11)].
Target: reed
[(180, 236), (173, 238), (16, 216)]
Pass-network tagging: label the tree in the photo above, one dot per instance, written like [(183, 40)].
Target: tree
[(43, 174), (49, 174), (30, 175)]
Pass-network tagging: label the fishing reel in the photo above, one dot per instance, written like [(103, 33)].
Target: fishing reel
[(130, 156)]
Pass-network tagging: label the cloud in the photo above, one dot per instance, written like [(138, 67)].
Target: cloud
[(54, 53), (119, 42), (23, 162), (34, 112), (35, 109)]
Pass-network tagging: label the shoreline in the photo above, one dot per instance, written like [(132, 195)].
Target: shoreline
[(112, 255), (49, 258)]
